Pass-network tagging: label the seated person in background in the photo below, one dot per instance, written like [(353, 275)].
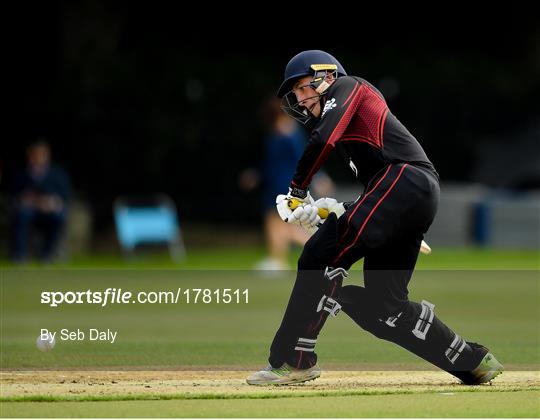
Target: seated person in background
[(40, 194)]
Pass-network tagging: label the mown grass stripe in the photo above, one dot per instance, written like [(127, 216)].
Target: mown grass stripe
[(260, 395)]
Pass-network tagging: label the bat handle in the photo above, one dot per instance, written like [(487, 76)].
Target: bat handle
[(294, 203)]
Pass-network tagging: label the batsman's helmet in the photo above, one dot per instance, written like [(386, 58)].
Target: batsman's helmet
[(308, 63)]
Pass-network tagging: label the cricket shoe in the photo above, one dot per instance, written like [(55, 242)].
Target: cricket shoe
[(285, 375), (488, 368)]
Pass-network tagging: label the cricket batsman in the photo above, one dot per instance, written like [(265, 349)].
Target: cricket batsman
[(385, 226)]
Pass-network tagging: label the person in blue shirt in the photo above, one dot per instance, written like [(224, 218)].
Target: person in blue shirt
[(39, 198), (283, 145)]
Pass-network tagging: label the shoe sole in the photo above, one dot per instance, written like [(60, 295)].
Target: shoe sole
[(492, 374), (286, 382)]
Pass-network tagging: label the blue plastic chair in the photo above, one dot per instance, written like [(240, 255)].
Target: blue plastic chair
[(151, 221)]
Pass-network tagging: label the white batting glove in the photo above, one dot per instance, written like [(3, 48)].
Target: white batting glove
[(309, 218), (331, 205), (292, 215)]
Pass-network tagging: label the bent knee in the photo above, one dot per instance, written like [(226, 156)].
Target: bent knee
[(322, 247)]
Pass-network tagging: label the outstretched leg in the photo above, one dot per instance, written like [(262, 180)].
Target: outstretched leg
[(382, 308)]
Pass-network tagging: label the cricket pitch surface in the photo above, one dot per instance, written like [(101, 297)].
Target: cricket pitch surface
[(151, 385)]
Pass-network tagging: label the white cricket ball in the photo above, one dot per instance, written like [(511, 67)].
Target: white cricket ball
[(47, 344)]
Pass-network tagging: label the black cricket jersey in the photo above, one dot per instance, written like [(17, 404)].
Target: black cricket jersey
[(356, 119)]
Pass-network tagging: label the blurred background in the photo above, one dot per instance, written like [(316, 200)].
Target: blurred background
[(136, 109)]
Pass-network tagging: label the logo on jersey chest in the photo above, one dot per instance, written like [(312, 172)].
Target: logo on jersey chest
[(330, 104)]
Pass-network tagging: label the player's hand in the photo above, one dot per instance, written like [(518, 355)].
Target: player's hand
[(331, 205), (308, 217), (290, 208)]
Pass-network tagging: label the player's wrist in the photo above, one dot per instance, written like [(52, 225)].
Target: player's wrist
[(298, 192)]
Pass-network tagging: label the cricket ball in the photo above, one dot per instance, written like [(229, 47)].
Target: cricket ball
[(45, 344)]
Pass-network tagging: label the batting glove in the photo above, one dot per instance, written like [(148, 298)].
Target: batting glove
[(291, 206), (309, 218), (331, 205)]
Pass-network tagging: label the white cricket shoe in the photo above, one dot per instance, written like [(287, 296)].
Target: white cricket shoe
[(284, 375), (271, 264)]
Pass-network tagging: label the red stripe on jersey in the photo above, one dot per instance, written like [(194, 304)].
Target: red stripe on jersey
[(361, 139), (362, 200), (369, 119), (325, 151), (380, 132), (371, 214), (351, 94), (346, 118), (334, 137)]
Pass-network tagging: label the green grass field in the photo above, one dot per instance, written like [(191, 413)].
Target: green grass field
[(470, 405), (490, 297), (245, 258)]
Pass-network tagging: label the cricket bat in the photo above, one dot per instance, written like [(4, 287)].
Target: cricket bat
[(293, 203)]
